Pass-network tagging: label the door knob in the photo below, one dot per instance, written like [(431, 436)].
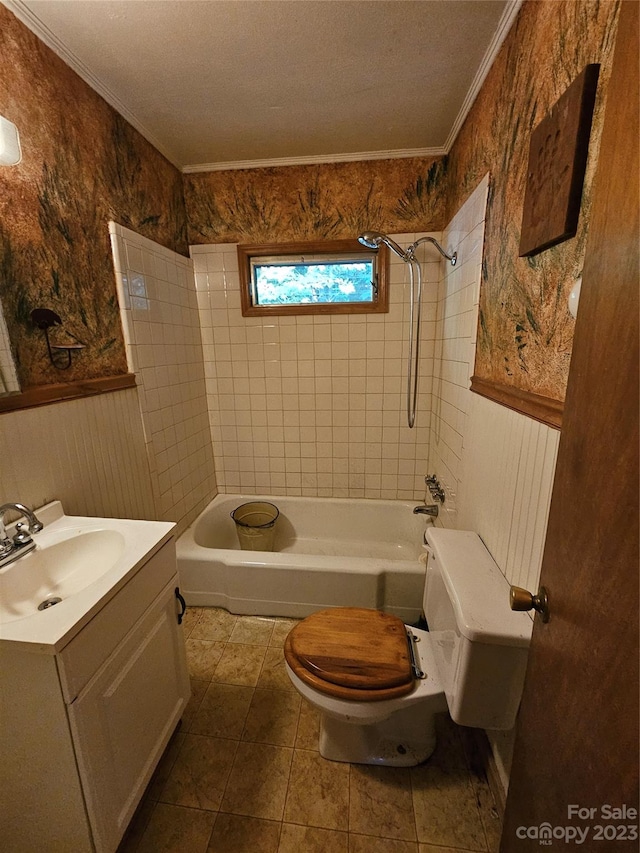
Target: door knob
[(522, 599)]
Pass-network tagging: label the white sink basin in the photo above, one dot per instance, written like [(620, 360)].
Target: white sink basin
[(80, 562), (58, 568)]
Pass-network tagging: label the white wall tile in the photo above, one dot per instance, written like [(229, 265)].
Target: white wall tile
[(164, 349), (457, 313), (345, 374)]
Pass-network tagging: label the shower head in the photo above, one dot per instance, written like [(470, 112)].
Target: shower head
[(372, 240)]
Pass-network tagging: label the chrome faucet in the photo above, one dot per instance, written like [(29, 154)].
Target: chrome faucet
[(427, 509), (22, 543)]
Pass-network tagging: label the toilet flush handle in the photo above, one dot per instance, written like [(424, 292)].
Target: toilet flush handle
[(522, 599)]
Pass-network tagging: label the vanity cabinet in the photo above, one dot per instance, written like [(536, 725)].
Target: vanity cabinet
[(83, 729)]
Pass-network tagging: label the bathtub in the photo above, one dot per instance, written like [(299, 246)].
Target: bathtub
[(328, 552)]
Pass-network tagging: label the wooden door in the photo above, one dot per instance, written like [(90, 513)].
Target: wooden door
[(577, 733)]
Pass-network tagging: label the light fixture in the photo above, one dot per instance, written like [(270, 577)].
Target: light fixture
[(10, 151)]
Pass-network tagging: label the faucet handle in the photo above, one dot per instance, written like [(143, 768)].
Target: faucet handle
[(22, 536)]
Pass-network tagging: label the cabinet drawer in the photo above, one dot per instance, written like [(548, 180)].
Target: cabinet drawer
[(83, 656)]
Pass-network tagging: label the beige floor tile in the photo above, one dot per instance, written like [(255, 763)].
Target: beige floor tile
[(257, 786), (203, 657), (432, 848), (308, 727), (240, 664), (198, 689), (443, 797), (280, 631), (174, 829), (308, 839), (318, 793), (273, 674), (189, 620), (370, 844), (222, 711), (380, 802), (199, 775), (236, 834), (252, 630), (214, 624), (489, 814), (272, 718)]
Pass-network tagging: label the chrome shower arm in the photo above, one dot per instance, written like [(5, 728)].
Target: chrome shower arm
[(373, 239), (411, 250)]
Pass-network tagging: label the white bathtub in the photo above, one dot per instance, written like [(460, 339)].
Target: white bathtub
[(328, 552)]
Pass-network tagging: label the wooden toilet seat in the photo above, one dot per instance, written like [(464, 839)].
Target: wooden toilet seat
[(351, 653)]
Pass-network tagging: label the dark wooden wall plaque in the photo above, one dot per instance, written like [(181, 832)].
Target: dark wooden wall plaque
[(557, 161)]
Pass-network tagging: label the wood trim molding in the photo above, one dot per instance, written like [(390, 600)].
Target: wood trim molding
[(58, 393), (311, 247), (540, 408)]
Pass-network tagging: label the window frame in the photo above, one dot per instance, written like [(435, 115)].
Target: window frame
[(331, 248)]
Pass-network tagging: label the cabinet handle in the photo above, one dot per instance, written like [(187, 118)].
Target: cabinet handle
[(183, 605)]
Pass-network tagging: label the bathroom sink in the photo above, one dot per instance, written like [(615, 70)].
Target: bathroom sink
[(61, 565), (79, 563)]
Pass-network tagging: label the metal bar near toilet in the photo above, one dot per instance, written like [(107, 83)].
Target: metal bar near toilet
[(412, 640)]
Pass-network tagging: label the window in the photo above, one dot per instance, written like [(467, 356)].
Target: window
[(331, 277)]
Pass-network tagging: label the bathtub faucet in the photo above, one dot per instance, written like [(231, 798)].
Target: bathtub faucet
[(427, 509)]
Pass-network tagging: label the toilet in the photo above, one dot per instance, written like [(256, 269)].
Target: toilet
[(378, 683)]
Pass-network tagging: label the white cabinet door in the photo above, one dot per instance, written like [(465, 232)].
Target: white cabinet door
[(124, 717)]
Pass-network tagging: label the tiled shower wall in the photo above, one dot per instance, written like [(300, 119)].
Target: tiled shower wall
[(457, 317), (314, 405), (162, 335)]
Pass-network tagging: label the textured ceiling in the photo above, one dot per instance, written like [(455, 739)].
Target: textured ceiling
[(235, 82)]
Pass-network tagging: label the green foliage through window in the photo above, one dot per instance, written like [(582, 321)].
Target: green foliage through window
[(313, 277), (313, 282)]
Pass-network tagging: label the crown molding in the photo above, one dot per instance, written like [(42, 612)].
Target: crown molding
[(316, 159), (504, 25), (38, 28), (31, 20)]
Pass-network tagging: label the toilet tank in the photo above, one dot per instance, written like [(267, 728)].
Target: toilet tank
[(480, 644)]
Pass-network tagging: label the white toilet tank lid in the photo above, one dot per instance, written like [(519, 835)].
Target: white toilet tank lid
[(478, 590)]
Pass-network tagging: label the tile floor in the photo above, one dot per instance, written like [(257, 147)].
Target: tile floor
[(243, 772)]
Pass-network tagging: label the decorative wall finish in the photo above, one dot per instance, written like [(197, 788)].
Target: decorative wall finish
[(525, 329), (82, 165), (337, 200)]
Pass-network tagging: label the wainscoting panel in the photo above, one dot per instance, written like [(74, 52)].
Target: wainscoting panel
[(88, 453), (508, 467)]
